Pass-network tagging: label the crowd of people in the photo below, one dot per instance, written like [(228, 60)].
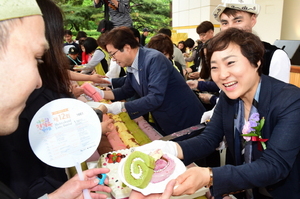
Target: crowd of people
[(240, 80)]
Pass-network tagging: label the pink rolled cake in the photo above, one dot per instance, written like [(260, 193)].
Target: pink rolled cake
[(147, 128), (90, 91), (113, 137), (164, 167), (154, 167)]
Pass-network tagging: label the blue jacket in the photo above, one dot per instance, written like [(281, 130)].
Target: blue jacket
[(163, 92), (278, 167)]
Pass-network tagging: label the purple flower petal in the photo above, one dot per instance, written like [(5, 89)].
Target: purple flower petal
[(246, 128), (254, 117), (252, 124)]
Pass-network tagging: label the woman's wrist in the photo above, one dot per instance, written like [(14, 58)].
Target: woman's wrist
[(210, 183)]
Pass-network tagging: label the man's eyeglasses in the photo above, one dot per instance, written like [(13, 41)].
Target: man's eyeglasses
[(113, 54)]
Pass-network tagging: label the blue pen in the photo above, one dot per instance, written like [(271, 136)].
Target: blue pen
[(101, 178)]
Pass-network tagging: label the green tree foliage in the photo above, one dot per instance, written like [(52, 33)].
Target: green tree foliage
[(153, 14), (81, 15), (78, 15)]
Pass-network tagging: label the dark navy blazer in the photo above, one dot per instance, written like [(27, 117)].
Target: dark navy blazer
[(163, 92)]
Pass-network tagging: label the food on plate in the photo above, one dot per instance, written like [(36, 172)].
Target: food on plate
[(78, 67), (164, 167), (112, 160), (138, 169)]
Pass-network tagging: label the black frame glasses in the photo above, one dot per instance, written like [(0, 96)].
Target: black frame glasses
[(113, 54)]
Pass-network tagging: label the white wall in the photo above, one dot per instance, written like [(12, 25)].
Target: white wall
[(268, 26), (291, 20), (188, 14)]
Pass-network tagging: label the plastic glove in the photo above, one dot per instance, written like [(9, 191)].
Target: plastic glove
[(101, 92), (114, 108), (166, 147)]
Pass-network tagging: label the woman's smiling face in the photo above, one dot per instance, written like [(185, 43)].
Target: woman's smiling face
[(233, 73)]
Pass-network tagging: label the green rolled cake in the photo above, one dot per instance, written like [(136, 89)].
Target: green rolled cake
[(135, 130), (138, 169)]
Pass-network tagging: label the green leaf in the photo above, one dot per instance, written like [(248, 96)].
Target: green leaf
[(249, 134), (260, 126)]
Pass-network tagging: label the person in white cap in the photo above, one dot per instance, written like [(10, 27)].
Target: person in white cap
[(243, 14), (23, 19)]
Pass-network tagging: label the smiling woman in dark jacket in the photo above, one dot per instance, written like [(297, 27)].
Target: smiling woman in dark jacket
[(264, 164)]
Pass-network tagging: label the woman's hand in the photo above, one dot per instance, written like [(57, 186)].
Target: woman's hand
[(193, 84), (191, 180), (107, 125), (194, 75), (77, 90), (205, 97), (96, 78), (73, 188)]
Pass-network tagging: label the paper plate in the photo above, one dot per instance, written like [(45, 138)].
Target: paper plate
[(64, 132), (154, 187), (79, 67)]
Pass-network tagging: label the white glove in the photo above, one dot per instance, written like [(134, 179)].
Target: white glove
[(166, 147), (95, 104), (114, 108), (207, 115), (101, 92)]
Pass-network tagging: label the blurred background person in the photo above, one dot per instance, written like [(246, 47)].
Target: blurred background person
[(181, 46), (118, 10), (144, 35), (73, 58), (164, 44), (98, 58)]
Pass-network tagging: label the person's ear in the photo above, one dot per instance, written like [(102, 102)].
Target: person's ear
[(258, 65), (253, 20), (127, 48)]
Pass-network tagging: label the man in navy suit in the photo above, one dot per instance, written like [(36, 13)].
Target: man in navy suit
[(162, 90)]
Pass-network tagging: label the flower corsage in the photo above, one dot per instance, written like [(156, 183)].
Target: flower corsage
[(252, 131)]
